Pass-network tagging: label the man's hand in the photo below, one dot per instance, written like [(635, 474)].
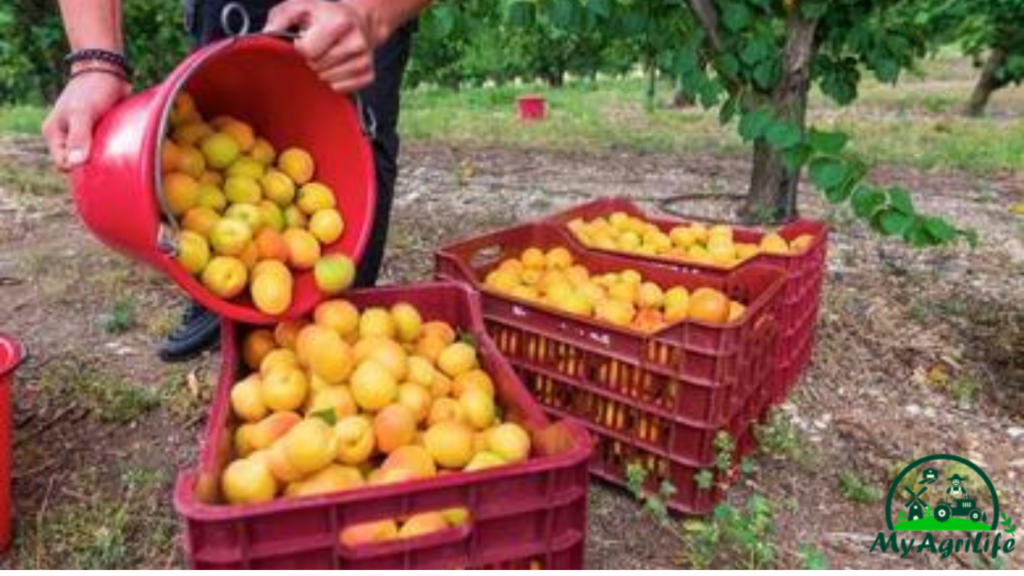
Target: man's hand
[(84, 101), (337, 38)]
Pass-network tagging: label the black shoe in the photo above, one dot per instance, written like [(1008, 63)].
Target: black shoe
[(199, 331)]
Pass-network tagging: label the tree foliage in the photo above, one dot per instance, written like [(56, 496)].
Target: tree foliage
[(34, 44)]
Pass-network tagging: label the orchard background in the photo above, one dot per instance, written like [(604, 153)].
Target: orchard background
[(901, 123)]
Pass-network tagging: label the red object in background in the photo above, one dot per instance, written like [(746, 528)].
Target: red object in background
[(527, 515), (259, 79), (801, 295), (11, 355), (658, 400), (532, 107)]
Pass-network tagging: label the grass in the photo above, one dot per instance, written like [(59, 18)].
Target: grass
[(857, 490), (100, 531), (28, 179), (111, 397), (21, 119)]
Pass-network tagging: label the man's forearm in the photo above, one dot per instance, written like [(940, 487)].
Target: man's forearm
[(93, 24), (386, 16)]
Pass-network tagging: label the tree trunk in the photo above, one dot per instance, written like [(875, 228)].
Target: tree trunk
[(772, 194), (988, 83)]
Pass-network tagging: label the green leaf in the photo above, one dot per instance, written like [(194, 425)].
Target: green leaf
[(827, 172), (328, 415), (939, 229), (917, 235), (866, 200), (728, 110), (794, 158), (522, 14), (600, 8), (783, 135), (766, 74), (813, 9), (562, 12), (827, 142), (467, 337), (735, 16), (892, 222), (704, 479), (900, 200), (755, 51), (754, 124)]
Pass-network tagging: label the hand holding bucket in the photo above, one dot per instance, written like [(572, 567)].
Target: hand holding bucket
[(260, 78)]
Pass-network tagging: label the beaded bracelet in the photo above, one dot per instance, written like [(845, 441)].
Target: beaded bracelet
[(113, 72), (99, 55)]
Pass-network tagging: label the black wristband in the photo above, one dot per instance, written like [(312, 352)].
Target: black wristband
[(113, 72), (98, 55)]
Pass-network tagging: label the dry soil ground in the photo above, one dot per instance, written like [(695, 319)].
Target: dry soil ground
[(102, 427)]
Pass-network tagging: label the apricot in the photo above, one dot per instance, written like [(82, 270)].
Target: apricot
[(243, 440), (184, 106), (430, 347), (339, 315), (247, 167), (484, 460), (310, 445), (388, 353), (297, 164), (444, 410), (394, 427), (219, 150), (368, 533), (478, 408), (376, 322), (277, 187), (324, 352), (457, 358), (774, 244), (355, 440), (250, 256), (413, 458), (475, 379), (284, 388), (193, 251), (181, 192), (333, 478), (262, 152), (225, 277), (287, 332), (449, 443), (334, 273), (373, 386), (421, 371), (247, 482), (417, 399), (650, 295), (242, 190), (246, 401), (270, 245), (736, 311), (456, 516), (272, 293), (294, 218), (210, 196), (709, 305), (242, 133), (200, 220), (255, 347), (271, 215), (408, 322), (509, 441), (335, 398), (422, 524), (267, 431), (314, 197), (327, 225), (280, 465), (229, 237), (303, 248), (190, 133)]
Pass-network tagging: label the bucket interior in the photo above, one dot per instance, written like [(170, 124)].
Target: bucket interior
[(263, 81)]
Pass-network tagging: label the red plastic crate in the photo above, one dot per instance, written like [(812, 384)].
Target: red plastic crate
[(801, 295), (526, 515), (653, 399)]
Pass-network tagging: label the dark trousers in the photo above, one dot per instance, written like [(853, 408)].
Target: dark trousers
[(382, 98)]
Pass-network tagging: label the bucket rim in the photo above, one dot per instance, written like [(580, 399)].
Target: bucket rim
[(19, 353)]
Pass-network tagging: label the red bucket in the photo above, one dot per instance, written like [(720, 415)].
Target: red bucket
[(532, 107), (11, 355), (264, 81)]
